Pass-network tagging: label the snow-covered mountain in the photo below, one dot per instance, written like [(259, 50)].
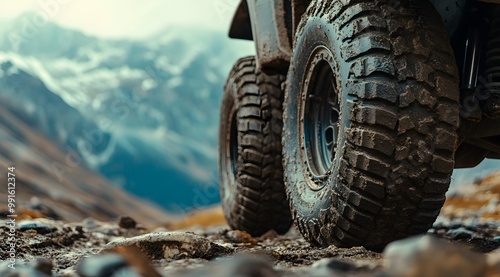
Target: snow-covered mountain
[(143, 113)]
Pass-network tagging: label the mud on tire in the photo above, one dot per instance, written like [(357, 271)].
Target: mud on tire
[(250, 160), (392, 74)]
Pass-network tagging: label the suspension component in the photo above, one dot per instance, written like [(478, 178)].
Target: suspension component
[(490, 79), (473, 50)]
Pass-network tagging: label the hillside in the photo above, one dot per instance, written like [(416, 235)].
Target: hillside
[(52, 182), (142, 113)]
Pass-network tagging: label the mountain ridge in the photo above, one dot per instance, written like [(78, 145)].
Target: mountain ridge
[(150, 105)]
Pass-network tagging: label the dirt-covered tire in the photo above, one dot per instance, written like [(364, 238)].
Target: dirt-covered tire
[(386, 71), (250, 161)]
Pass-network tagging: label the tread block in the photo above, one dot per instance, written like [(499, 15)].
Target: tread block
[(344, 225), (366, 66), (250, 140), (426, 99), (448, 113), (371, 139), (432, 203), (251, 100), (360, 25), (359, 201), (405, 123), (445, 139), (249, 125), (435, 185), (249, 181), (372, 114), (354, 10), (374, 90), (368, 163), (253, 156), (363, 45), (443, 165), (367, 184), (408, 97), (447, 88)]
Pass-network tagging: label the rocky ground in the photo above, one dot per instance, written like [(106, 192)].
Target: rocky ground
[(465, 241)]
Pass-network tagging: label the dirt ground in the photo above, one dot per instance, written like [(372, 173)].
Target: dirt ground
[(200, 245)]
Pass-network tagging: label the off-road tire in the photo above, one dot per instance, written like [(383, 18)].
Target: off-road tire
[(251, 179), (397, 86)]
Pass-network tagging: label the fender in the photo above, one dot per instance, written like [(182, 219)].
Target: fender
[(272, 25), (269, 24)]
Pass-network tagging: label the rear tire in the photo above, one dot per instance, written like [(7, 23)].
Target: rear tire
[(371, 112), (250, 160)]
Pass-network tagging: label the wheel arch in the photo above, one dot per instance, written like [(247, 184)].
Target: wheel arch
[(241, 27), (271, 25)]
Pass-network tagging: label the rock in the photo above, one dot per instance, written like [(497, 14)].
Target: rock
[(331, 267), (90, 224), (237, 236), (172, 245), (493, 259), (429, 256), (96, 226), (271, 234), (483, 245), (137, 260), (43, 265), (20, 271), (37, 205), (36, 225), (460, 233), (105, 266), (236, 266), (127, 222), (334, 264), (245, 266)]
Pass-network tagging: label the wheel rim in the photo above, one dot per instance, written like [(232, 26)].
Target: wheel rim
[(321, 114)]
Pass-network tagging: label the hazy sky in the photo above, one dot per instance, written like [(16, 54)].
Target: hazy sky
[(126, 18)]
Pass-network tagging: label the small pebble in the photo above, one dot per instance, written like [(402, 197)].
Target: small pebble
[(37, 205), (127, 222), (90, 224), (43, 265), (246, 265), (460, 233), (20, 271), (237, 236), (331, 267), (335, 264), (101, 266), (37, 226)]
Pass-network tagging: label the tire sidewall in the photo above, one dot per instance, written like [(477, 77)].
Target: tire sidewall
[(316, 34), (227, 115)]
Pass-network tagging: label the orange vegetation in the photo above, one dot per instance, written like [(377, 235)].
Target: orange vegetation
[(481, 199), (208, 217)]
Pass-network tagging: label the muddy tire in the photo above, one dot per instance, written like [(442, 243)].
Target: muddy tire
[(370, 118), (250, 160)]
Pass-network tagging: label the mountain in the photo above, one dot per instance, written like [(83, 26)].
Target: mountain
[(142, 113), (51, 181)]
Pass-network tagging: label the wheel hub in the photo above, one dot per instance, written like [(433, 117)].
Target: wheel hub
[(321, 115)]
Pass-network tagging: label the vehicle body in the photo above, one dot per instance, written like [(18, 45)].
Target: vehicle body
[(281, 30), (274, 24)]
